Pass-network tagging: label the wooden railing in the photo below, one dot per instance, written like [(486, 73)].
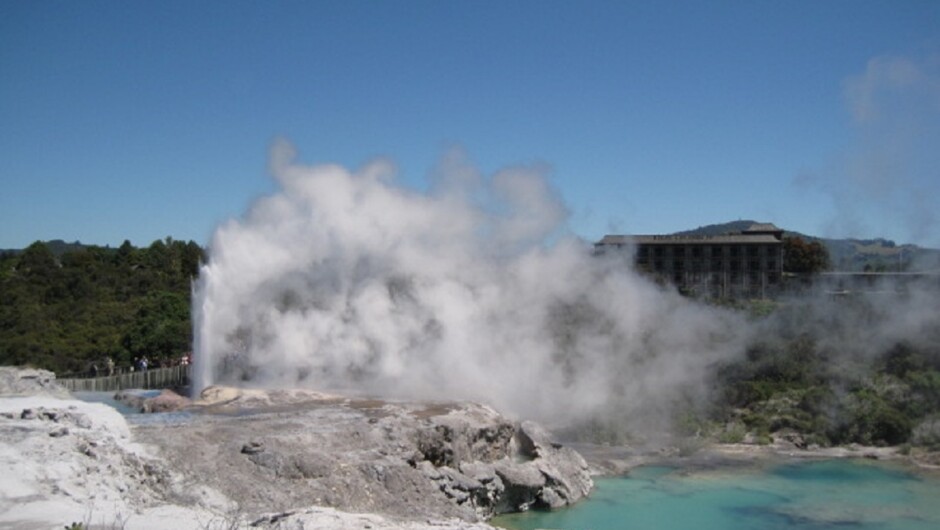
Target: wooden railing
[(173, 376)]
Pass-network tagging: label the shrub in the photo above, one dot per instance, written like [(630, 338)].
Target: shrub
[(733, 433)]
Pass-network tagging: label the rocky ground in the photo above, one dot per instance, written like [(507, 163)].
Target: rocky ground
[(301, 459), (68, 461), (270, 460)]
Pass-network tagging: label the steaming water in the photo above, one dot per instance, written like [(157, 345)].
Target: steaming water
[(827, 494), (108, 399)]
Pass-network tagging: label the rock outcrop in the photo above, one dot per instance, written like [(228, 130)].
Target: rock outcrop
[(399, 459), (502, 468), (28, 382), (69, 461), (270, 459)]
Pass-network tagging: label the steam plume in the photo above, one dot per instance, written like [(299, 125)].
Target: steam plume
[(888, 174), (344, 280)]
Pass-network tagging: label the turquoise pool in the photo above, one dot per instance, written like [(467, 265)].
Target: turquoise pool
[(854, 494)]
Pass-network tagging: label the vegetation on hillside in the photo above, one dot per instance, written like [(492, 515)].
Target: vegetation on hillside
[(814, 371), (814, 380), (66, 310)]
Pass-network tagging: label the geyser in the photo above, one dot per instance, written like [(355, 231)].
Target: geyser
[(344, 280)]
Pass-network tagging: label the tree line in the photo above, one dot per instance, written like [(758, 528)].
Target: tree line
[(67, 306), (65, 311)]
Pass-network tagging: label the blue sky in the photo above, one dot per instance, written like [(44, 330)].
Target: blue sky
[(141, 120)]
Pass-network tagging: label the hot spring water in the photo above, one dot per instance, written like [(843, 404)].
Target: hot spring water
[(808, 495)]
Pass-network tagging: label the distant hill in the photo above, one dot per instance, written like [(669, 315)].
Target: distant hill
[(56, 246), (851, 255), (718, 229)]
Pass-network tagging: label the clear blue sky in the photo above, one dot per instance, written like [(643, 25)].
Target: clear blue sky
[(140, 120)]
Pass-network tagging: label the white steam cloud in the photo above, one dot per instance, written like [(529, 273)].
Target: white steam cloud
[(889, 175), (344, 280)]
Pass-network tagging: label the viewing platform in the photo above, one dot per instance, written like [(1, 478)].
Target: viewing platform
[(154, 378)]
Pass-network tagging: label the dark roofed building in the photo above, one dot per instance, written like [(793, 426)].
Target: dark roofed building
[(746, 264)]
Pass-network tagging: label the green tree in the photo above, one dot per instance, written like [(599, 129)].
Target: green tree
[(160, 327), (802, 257), (37, 263)]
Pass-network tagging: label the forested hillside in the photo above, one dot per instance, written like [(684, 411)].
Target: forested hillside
[(64, 307)]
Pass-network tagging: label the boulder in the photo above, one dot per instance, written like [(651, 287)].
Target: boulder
[(166, 401), (16, 381), (465, 435), (132, 398), (496, 467), (145, 402), (788, 439), (213, 395), (567, 474)]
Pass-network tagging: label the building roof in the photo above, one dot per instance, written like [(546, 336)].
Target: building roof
[(760, 238), (757, 233)]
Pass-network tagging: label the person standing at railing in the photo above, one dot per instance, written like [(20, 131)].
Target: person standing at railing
[(110, 363)]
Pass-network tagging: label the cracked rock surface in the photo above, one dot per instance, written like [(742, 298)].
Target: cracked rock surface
[(406, 460)]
